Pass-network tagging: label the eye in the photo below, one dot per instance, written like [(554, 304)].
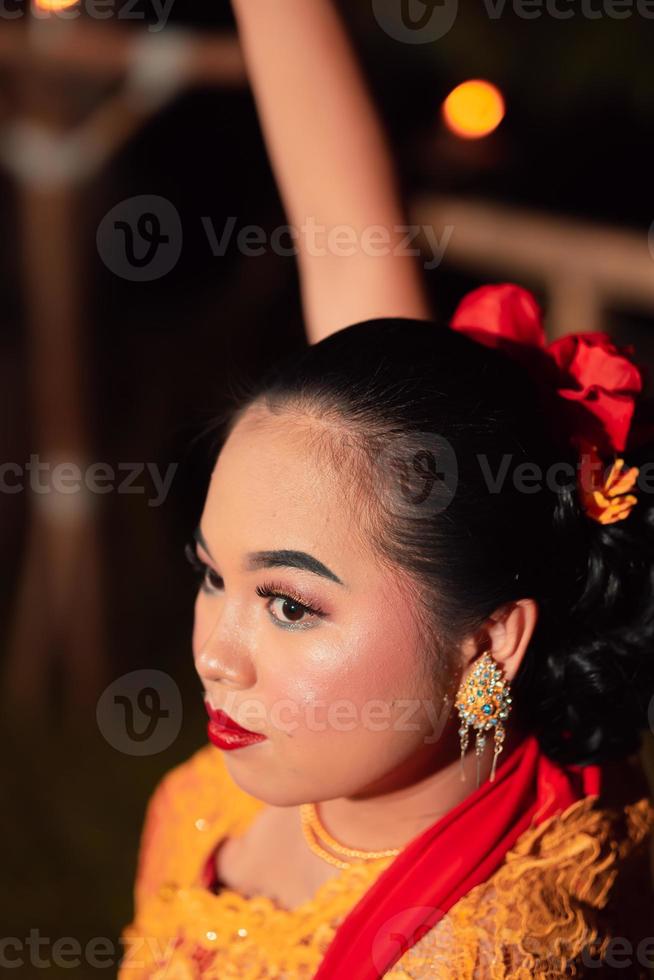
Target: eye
[(292, 606), (210, 579), (295, 611)]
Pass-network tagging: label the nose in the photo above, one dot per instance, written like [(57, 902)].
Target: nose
[(220, 658), (215, 668)]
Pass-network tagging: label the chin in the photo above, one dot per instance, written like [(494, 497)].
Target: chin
[(272, 788), (254, 781)]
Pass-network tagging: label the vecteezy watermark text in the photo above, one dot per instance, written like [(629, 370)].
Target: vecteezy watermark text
[(99, 952), (417, 475), (321, 240), (344, 715), (140, 239), (95, 9), (66, 477), (426, 21)]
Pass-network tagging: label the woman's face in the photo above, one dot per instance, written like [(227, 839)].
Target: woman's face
[(340, 690)]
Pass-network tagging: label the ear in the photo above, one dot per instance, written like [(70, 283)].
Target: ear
[(505, 635)]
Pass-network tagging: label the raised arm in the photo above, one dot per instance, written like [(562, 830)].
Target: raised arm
[(333, 166)]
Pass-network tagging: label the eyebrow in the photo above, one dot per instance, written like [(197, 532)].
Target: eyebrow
[(279, 559)]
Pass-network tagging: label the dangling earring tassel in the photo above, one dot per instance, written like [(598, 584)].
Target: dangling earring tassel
[(483, 701), (480, 742), (498, 742), (463, 733)]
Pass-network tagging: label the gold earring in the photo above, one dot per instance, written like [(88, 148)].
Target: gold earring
[(483, 701)]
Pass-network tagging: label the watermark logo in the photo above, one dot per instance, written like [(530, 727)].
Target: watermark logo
[(140, 239), (402, 931), (141, 712), (416, 21), (416, 477)]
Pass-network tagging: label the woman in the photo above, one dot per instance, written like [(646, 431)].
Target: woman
[(383, 576)]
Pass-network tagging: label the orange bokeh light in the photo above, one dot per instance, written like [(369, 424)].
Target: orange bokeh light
[(474, 109), (54, 5)]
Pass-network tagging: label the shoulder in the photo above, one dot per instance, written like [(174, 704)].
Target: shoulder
[(193, 804), (564, 889)]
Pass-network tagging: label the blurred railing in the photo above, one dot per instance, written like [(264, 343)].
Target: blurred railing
[(584, 268)]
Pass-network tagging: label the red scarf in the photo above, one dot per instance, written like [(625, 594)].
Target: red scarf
[(447, 860)]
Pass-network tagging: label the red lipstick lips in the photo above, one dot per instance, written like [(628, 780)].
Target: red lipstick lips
[(224, 732)]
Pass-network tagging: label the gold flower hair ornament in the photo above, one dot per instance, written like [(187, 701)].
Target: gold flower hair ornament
[(587, 384), (605, 500)]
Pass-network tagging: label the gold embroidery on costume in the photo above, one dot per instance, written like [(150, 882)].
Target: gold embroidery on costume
[(543, 907), (544, 904), (182, 931)]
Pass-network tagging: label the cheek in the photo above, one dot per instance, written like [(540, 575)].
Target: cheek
[(334, 684), (344, 719), (380, 659)]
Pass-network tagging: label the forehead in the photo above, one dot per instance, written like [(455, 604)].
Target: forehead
[(274, 487), (273, 478)]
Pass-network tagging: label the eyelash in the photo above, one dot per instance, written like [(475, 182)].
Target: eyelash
[(267, 590)]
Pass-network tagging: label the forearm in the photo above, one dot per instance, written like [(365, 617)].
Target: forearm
[(327, 147)]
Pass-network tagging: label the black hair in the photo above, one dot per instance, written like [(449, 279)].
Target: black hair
[(424, 406)]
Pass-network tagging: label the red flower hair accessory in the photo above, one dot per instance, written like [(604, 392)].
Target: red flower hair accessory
[(586, 384)]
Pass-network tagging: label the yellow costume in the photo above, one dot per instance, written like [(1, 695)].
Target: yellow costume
[(568, 885)]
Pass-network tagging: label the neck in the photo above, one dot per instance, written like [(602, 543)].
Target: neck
[(394, 810)]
